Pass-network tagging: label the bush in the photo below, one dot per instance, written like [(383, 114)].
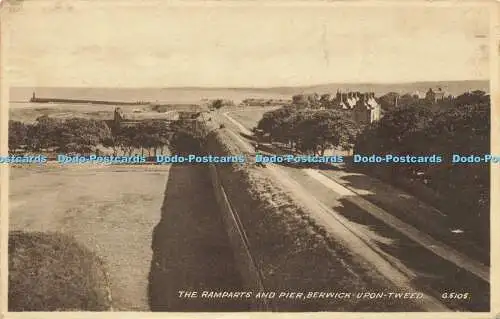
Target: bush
[(53, 272)]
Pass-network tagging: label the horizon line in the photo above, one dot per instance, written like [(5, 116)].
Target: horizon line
[(255, 87)]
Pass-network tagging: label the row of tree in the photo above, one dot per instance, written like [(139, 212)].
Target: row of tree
[(307, 130), (461, 129), (390, 100), (312, 130), (411, 128), (151, 136), (46, 134), (86, 136), (313, 100)]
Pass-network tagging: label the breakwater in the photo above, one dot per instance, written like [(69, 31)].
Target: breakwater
[(77, 101)]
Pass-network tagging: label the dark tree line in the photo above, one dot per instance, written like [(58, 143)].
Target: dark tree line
[(462, 129), (151, 136), (413, 127), (85, 136), (389, 100), (308, 130), (48, 134)]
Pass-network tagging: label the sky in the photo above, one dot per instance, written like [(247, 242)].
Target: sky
[(158, 44)]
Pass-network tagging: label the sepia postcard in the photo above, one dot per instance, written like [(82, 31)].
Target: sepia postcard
[(249, 158)]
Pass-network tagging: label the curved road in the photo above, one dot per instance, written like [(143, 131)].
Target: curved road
[(366, 241)]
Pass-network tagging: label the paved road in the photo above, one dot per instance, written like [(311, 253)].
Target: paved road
[(338, 226), (384, 248)]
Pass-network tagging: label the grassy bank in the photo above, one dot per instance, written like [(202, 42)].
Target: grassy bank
[(53, 272), (291, 250)]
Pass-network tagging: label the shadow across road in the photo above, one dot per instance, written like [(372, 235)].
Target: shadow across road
[(191, 250), (430, 272), (474, 242)]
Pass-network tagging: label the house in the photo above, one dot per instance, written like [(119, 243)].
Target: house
[(364, 106), (435, 96), (367, 109)]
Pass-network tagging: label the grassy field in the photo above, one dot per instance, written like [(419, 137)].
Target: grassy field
[(29, 112), (110, 210), (251, 116)]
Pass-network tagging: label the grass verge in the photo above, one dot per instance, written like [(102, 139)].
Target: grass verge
[(53, 272), (292, 251)]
